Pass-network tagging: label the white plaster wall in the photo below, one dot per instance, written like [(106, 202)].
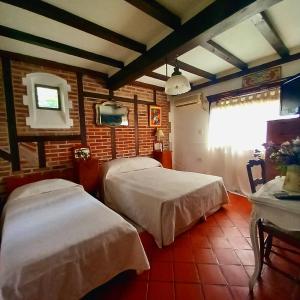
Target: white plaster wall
[(190, 130), (189, 124)]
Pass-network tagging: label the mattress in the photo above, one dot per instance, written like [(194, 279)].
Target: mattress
[(62, 243), (164, 202)]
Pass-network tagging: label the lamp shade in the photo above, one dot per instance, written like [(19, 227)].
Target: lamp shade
[(159, 134), (177, 84)]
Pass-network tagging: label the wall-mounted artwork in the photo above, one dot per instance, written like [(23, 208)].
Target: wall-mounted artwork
[(257, 78), (111, 113), (154, 116)]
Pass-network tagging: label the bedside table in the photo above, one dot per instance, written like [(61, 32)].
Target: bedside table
[(164, 157), (87, 174)]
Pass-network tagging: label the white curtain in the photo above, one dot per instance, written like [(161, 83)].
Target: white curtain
[(237, 127)]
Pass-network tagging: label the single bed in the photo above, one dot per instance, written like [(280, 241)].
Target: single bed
[(58, 242), (164, 202)]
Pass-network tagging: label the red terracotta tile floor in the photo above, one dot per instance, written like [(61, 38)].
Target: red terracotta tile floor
[(211, 261)]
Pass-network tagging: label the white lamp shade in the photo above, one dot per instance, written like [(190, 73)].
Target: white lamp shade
[(176, 85)]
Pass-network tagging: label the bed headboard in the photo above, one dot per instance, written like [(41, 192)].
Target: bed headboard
[(13, 182)]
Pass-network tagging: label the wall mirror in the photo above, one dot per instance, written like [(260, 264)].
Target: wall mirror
[(111, 113)]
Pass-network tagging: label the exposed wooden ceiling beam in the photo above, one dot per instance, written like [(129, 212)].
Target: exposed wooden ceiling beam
[(218, 16), (249, 71), (52, 12), (219, 51), (42, 42), (191, 69), (264, 25), (52, 64), (157, 11), (157, 76), (148, 86)]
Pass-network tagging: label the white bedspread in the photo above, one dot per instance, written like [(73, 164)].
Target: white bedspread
[(165, 202), (62, 244)]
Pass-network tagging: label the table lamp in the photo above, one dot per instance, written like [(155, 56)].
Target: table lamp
[(159, 135)]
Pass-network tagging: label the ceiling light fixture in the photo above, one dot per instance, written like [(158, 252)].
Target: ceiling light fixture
[(177, 84)]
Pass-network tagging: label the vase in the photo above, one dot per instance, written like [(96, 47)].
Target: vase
[(292, 179)]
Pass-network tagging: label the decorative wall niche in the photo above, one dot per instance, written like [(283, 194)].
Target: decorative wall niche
[(47, 100)]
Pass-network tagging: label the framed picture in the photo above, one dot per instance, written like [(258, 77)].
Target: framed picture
[(154, 116), (257, 78)]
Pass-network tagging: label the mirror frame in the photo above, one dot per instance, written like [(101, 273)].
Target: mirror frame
[(114, 105)]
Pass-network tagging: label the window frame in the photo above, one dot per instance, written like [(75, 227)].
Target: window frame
[(36, 85)]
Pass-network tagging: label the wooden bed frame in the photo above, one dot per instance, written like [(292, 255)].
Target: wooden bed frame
[(13, 182)]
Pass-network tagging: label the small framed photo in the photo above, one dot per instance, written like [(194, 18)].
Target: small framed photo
[(158, 146), (154, 116)]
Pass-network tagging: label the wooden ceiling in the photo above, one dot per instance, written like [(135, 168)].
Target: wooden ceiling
[(127, 40)]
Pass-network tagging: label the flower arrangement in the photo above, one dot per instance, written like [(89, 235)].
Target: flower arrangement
[(288, 153), (82, 153)]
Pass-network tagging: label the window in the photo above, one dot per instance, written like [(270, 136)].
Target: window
[(47, 97), (241, 123), (47, 100), (238, 126)]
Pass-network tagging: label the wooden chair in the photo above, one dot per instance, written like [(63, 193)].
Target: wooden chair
[(257, 181), (265, 227), (290, 238)]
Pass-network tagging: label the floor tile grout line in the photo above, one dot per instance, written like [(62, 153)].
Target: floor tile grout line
[(213, 250)]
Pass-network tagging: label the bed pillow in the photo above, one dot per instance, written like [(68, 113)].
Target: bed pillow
[(40, 187), (123, 165)]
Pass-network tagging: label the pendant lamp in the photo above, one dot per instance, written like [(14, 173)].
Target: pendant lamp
[(177, 84)]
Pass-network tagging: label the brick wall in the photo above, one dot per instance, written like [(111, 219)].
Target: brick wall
[(59, 154), (19, 71)]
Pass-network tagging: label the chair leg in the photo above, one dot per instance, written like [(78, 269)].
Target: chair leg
[(261, 244), (268, 243)]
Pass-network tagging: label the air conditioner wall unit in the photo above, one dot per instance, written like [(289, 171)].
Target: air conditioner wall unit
[(190, 100)]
